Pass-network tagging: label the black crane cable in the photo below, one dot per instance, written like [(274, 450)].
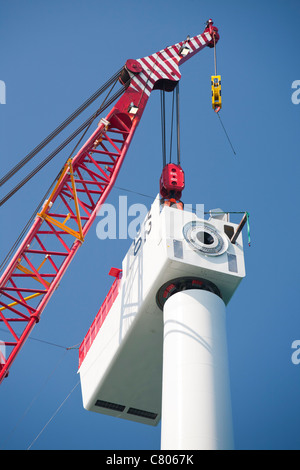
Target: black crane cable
[(21, 235), (62, 145), (86, 125), (59, 129), (178, 124), (26, 227), (163, 125), (171, 132)]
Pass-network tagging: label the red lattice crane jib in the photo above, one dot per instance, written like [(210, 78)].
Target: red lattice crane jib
[(39, 263)]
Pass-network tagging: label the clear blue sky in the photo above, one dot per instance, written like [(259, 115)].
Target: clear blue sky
[(54, 55)]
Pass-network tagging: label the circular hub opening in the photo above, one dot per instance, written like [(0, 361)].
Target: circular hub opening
[(205, 238)]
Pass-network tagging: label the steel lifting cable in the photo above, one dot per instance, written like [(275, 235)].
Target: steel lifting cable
[(11, 251), (54, 414), (221, 122), (178, 123), (41, 389), (163, 125), (172, 125), (226, 134), (60, 128), (215, 55), (87, 123)]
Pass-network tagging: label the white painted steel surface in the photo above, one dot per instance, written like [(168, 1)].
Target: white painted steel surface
[(196, 405)]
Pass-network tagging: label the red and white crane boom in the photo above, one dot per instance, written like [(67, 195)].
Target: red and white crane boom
[(39, 263)]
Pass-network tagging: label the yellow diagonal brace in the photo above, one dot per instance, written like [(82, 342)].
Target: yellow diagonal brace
[(49, 200), (52, 220), (42, 264), (67, 218), (76, 200), (27, 271), (25, 298), (61, 226)]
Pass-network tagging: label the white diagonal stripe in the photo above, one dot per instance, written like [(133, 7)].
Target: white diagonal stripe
[(161, 62), (142, 86), (195, 44)]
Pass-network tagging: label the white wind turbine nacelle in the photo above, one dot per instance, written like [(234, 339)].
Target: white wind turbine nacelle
[(121, 367)]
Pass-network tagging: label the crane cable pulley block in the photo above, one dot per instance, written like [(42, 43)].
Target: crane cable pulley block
[(216, 92), (172, 178)]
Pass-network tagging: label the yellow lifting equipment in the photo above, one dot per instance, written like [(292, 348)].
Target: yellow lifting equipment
[(216, 92)]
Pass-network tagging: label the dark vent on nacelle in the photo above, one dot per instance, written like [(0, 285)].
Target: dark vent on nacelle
[(142, 413), (109, 405)]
